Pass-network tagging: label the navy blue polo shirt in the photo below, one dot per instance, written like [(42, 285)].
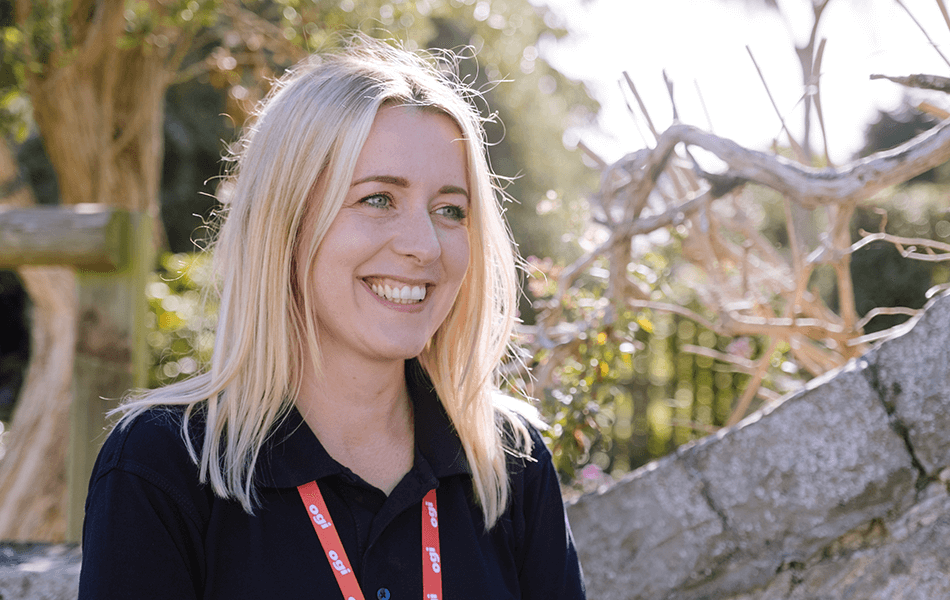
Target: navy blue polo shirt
[(152, 531)]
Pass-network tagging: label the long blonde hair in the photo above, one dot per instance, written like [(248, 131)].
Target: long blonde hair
[(310, 128)]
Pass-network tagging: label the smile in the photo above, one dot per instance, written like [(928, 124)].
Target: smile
[(399, 294)]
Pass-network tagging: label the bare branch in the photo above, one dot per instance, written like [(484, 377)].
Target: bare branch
[(643, 107), (812, 187), (806, 58), (601, 163), (676, 310), (818, 110), (900, 242), (669, 90), (886, 310), (753, 386), (815, 360), (919, 80), (796, 147), (633, 114), (943, 11), (873, 337), (840, 236), (742, 365), (744, 285), (926, 257), (702, 102), (933, 111), (672, 217), (782, 327), (572, 271), (924, 31)]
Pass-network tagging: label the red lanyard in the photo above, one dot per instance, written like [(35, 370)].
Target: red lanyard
[(336, 556)]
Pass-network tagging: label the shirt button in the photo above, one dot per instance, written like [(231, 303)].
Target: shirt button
[(382, 594)]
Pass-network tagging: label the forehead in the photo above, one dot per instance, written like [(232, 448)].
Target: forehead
[(405, 140)]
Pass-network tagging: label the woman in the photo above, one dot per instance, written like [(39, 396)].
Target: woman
[(348, 440)]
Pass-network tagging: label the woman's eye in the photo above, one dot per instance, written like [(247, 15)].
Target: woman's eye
[(377, 201), (451, 211)]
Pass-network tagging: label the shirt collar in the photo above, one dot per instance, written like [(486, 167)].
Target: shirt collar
[(292, 454)]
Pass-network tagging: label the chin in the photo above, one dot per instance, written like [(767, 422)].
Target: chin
[(402, 352)]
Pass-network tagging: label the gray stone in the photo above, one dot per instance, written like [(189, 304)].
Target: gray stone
[(909, 560), (912, 375), (794, 478), (39, 571), (648, 535), (815, 497)]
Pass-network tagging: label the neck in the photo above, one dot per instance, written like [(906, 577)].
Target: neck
[(363, 417)]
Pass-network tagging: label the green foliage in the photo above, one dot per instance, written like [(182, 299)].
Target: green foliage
[(181, 318), (15, 109), (636, 383), (158, 25)]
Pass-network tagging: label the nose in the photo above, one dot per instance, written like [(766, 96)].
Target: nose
[(416, 236)]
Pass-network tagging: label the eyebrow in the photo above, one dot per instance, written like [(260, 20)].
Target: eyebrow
[(404, 183)]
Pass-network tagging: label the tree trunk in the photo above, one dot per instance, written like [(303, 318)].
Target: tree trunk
[(99, 109), (101, 118), (33, 470)]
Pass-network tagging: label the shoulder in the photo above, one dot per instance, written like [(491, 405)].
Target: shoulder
[(532, 476), (146, 513), (151, 445), (521, 427), (528, 456)]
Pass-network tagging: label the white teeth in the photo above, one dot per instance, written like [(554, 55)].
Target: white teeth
[(400, 295)]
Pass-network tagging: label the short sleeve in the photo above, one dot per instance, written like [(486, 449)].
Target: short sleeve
[(142, 536)]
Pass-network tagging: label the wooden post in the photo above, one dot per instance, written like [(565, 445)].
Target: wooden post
[(112, 252), (111, 357)]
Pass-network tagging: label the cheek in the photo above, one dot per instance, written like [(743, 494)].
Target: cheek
[(457, 254), (344, 245)]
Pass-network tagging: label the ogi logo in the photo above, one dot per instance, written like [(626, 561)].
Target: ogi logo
[(317, 517), (337, 563), (434, 559), (433, 515)]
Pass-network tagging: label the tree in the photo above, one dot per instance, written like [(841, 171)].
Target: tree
[(96, 100), (689, 283)]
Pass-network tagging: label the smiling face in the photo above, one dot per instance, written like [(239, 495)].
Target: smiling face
[(388, 270)]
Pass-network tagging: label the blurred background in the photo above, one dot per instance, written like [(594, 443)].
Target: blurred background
[(577, 85)]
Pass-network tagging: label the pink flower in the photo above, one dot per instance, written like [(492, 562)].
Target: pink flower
[(592, 472)]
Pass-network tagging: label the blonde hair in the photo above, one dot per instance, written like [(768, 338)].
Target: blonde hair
[(311, 128)]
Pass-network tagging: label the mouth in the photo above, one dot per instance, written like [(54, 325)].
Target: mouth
[(397, 292)]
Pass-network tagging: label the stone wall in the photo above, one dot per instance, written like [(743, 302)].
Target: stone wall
[(839, 491), (39, 571)]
